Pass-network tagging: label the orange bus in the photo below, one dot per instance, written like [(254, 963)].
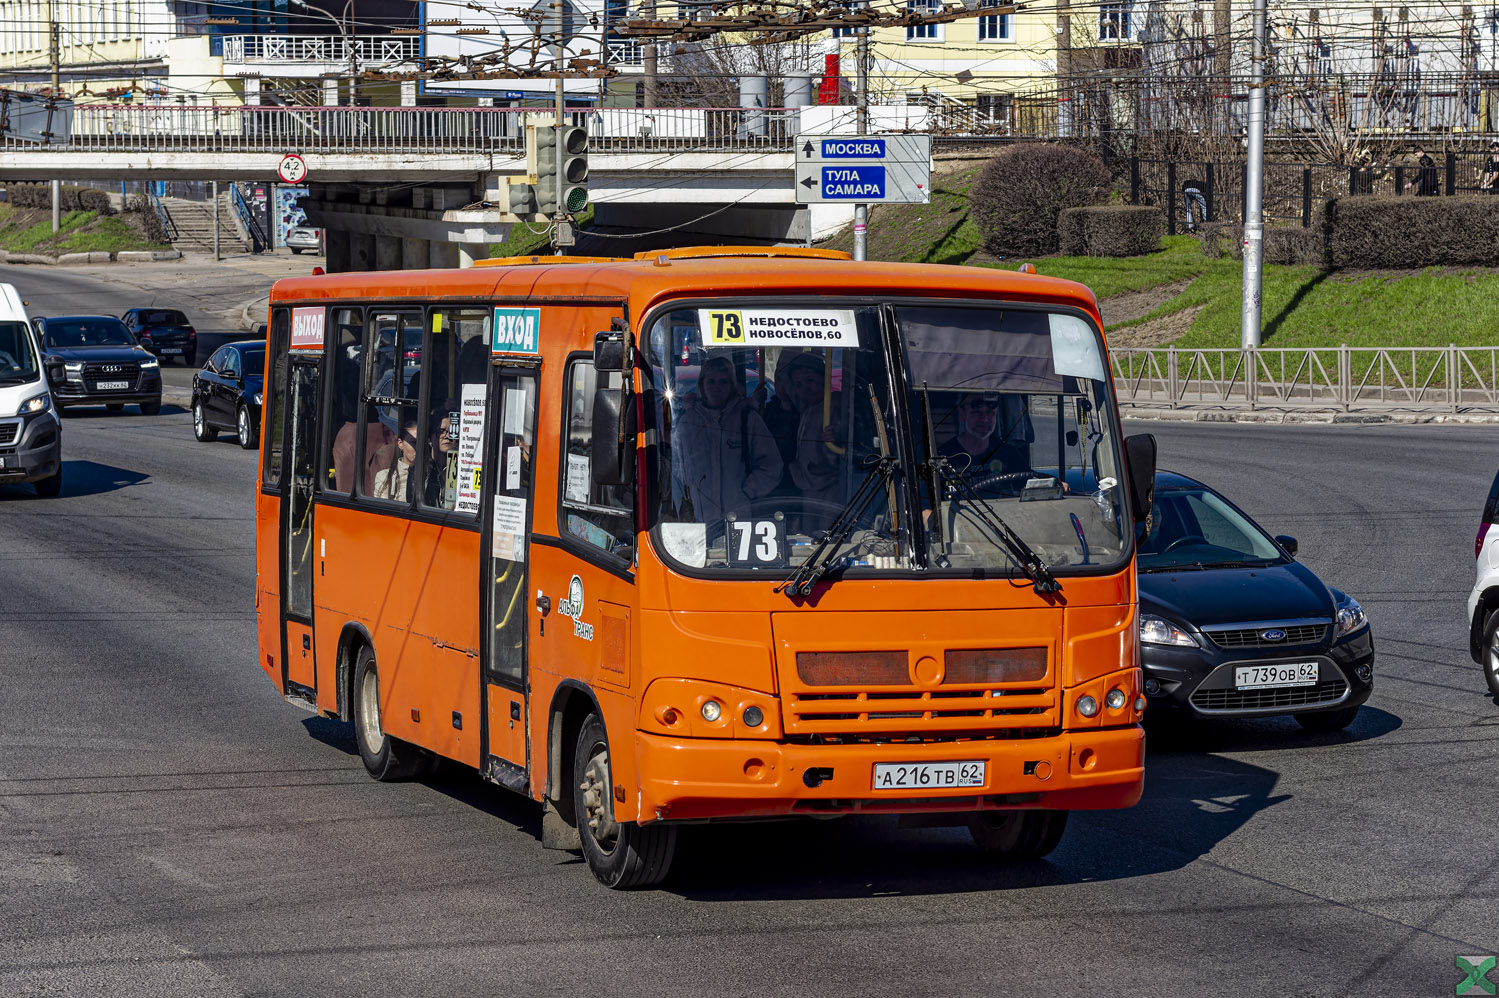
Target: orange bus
[(710, 534)]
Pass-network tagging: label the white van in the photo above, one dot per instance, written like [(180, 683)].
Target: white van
[(30, 433)]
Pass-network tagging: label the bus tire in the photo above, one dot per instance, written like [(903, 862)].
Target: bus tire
[(1017, 836), (385, 757), (622, 854)]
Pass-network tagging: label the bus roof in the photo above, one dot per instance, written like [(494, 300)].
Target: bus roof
[(653, 277)]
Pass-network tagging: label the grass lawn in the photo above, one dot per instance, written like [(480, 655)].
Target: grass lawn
[(521, 241), (30, 231)]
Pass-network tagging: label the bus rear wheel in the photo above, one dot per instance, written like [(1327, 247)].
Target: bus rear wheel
[(385, 757), (621, 854), (1017, 835)]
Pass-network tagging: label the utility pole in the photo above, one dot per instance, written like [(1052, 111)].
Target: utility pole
[(1254, 184), (562, 235), (1064, 66), (54, 57), (352, 40), (216, 221), (648, 60), (861, 123)]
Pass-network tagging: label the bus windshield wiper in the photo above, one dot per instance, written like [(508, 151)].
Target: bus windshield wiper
[(807, 574), (940, 470)]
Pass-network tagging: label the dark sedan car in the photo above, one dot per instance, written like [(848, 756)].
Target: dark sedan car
[(95, 360), (1231, 625), (227, 392), (165, 332)]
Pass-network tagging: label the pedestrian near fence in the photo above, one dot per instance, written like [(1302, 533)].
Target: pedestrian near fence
[(1192, 196), (1425, 183), (1490, 182)]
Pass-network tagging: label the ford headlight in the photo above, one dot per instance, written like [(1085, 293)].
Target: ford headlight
[(1351, 616), (1159, 631), (37, 403)]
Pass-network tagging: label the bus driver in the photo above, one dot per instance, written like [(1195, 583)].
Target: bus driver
[(725, 455)]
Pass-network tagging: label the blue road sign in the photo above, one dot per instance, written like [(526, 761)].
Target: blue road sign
[(853, 183), (853, 148)]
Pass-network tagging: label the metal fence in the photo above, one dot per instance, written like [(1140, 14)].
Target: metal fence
[(1339, 378), (264, 128)]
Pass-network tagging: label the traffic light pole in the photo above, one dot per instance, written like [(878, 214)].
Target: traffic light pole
[(562, 235), (861, 122), (1254, 186)]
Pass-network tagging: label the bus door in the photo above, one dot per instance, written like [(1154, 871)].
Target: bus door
[(296, 525), (506, 611)]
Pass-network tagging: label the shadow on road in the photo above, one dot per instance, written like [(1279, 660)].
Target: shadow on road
[(130, 412), (1193, 800), (83, 478)]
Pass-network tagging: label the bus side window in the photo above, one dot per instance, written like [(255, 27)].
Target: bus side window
[(456, 359), (346, 350), (600, 515), (275, 396), (392, 429)]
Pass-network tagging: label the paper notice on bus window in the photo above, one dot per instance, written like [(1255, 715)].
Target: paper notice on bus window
[(1074, 348), (512, 468), (686, 542), (515, 411), (509, 522), (578, 475), (777, 327), (470, 436)]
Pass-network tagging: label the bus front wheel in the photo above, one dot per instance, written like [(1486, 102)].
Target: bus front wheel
[(1017, 835), (621, 854), (385, 757)]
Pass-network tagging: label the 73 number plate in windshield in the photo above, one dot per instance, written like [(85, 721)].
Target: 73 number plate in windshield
[(928, 775)]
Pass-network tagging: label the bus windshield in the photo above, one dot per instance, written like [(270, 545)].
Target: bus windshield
[(17, 358), (783, 429)]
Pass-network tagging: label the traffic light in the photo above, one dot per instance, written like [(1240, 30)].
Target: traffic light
[(522, 199), (561, 187)]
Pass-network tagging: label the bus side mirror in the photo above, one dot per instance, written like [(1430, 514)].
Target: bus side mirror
[(613, 460), (609, 351), (56, 373), (1139, 462)]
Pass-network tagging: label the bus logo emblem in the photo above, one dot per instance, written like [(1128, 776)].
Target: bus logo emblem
[(516, 330), (573, 607)]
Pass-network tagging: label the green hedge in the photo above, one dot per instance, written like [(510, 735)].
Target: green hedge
[(1015, 199), (1289, 245), (74, 198), (1388, 232), (1110, 230)]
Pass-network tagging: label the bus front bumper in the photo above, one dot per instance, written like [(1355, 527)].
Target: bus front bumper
[(704, 779)]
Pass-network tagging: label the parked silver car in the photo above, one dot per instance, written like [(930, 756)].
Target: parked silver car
[(304, 237)]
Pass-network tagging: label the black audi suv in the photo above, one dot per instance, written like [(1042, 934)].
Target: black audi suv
[(95, 360)]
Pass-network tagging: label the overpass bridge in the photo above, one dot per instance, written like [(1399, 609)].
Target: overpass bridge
[(414, 186)]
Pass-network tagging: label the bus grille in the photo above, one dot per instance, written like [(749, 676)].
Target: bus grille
[(864, 713), (1327, 691)]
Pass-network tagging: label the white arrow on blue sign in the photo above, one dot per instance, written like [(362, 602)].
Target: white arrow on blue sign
[(872, 169)]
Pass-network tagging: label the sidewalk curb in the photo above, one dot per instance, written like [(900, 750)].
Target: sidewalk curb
[(95, 256), (1323, 418)]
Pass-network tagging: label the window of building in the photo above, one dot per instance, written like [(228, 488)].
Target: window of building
[(1113, 21), (994, 109), (994, 27), (456, 358), (850, 32), (598, 515), (923, 32)]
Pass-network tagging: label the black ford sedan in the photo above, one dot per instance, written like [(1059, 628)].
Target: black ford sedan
[(1231, 625), (227, 392)]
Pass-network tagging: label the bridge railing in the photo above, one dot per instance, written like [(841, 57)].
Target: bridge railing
[(1343, 378), (267, 128)]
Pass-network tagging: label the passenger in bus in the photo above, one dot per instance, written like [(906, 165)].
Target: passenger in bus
[(799, 375), (393, 479), (724, 456), (442, 458), (377, 438), (821, 457), (985, 444), (473, 359)]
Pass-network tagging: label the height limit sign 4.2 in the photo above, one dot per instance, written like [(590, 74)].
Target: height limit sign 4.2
[(864, 169)]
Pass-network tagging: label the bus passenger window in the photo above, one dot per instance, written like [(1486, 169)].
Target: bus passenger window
[(275, 396), (392, 383), (600, 515), (342, 467), (456, 357)]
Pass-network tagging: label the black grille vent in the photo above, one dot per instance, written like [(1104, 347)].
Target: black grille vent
[(1327, 691), (126, 371), (1253, 637), (8, 432)]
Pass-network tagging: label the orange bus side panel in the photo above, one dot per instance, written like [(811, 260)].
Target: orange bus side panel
[(1098, 640), (507, 734), (268, 584), (442, 638), (734, 648), (300, 659)]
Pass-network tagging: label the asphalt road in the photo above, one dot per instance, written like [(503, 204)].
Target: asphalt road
[(211, 294), (170, 827)]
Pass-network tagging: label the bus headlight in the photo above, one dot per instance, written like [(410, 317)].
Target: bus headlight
[(1115, 699), (699, 708), (712, 710), (1087, 706)]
